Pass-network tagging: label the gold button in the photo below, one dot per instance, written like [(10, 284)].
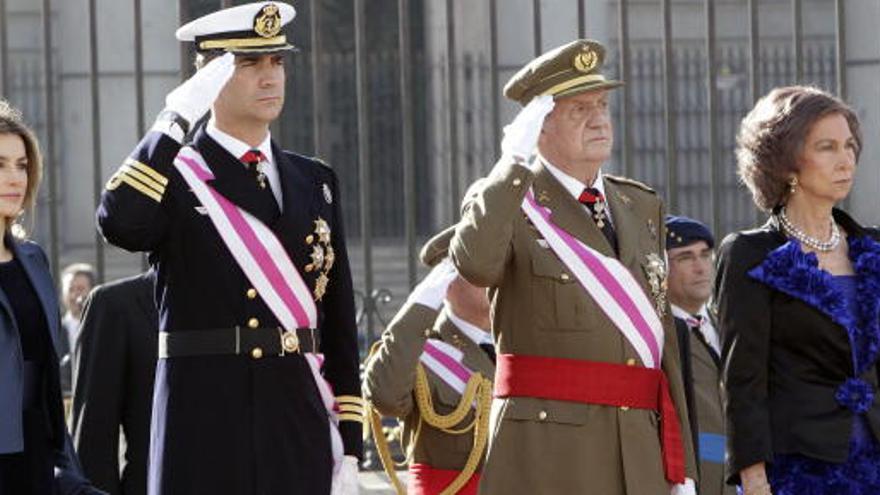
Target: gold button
[(542, 415), (517, 182), (257, 353), (253, 323), (427, 332), (564, 276), (310, 239), (631, 362), (252, 293)]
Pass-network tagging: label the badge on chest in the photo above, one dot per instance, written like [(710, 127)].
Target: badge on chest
[(322, 256)]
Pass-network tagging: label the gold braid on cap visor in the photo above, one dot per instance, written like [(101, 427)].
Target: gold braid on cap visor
[(242, 43), (571, 83)]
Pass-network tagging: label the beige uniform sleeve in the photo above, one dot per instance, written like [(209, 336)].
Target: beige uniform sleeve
[(390, 371), (481, 246)]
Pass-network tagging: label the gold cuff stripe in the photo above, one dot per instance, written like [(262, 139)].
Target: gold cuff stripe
[(156, 176), (358, 418), (127, 170), (242, 42), (559, 88), (354, 399), (351, 408), (140, 187)]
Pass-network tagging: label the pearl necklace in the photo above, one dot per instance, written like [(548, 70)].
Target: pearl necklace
[(807, 240)]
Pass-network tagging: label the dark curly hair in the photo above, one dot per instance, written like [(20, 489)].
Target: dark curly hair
[(771, 138)]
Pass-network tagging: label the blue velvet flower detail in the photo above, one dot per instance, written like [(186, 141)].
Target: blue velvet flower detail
[(855, 394)]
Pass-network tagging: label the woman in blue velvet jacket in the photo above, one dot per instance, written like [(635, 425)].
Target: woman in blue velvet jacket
[(798, 303), (35, 450)]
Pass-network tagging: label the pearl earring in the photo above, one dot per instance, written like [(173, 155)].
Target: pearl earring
[(792, 185)]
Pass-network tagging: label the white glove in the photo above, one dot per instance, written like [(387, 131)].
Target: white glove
[(346, 480), (431, 291), (521, 135), (194, 97), (686, 488)]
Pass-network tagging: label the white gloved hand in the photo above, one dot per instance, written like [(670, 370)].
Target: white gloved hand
[(345, 482), (431, 291), (521, 135), (686, 488), (194, 97)]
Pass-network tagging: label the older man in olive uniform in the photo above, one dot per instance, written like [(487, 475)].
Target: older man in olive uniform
[(589, 395), (689, 245), (436, 344)]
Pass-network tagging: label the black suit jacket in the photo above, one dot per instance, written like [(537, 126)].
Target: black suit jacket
[(687, 374), (786, 352), (114, 364)]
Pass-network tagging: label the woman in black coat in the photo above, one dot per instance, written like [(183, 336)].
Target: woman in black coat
[(798, 303), (36, 456)]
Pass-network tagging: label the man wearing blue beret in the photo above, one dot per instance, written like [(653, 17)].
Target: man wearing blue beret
[(689, 246)]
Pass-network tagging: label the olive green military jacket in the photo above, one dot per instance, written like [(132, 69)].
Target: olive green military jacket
[(539, 309), (708, 390), (390, 380)]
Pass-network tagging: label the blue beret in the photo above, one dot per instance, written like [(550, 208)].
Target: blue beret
[(683, 231)]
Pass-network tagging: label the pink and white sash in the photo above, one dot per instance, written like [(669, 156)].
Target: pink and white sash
[(444, 361), (262, 258), (608, 282)]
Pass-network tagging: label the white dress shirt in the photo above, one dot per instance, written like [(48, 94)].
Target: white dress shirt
[(706, 328), (238, 148), (473, 332), (576, 187)]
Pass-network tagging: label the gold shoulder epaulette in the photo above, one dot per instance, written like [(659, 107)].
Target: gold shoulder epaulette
[(630, 182)]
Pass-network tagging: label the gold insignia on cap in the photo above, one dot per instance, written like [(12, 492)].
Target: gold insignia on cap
[(585, 61), (268, 22)]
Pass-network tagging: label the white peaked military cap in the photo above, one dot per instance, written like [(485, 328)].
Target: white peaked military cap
[(252, 28)]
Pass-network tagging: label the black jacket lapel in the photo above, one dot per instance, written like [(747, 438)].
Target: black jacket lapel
[(234, 182)]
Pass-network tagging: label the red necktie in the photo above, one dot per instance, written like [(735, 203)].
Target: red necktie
[(595, 202)]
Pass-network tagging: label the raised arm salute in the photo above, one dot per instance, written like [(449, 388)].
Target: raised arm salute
[(589, 397), (253, 282)]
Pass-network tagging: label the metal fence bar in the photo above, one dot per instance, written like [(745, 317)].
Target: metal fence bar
[(317, 78), (840, 41), (754, 67), (494, 87), (51, 163), (669, 109), (96, 132), (452, 96), (582, 19), (363, 126), (626, 93), (798, 29), (185, 64), (4, 50), (536, 25), (711, 108), (139, 85), (407, 152)]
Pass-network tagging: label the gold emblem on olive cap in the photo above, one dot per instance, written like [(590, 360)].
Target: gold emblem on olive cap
[(585, 61)]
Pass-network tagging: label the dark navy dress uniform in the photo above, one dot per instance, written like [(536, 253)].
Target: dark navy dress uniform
[(237, 424)]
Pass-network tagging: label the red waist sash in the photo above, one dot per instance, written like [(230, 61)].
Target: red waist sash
[(427, 480), (592, 382)]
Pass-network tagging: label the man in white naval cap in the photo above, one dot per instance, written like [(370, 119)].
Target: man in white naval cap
[(257, 388)]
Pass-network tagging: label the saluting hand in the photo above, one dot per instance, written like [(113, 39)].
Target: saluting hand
[(431, 291), (192, 99), (521, 135)]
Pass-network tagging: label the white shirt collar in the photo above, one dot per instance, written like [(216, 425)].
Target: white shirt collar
[(706, 327), (473, 332), (572, 185), (235, 146)]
